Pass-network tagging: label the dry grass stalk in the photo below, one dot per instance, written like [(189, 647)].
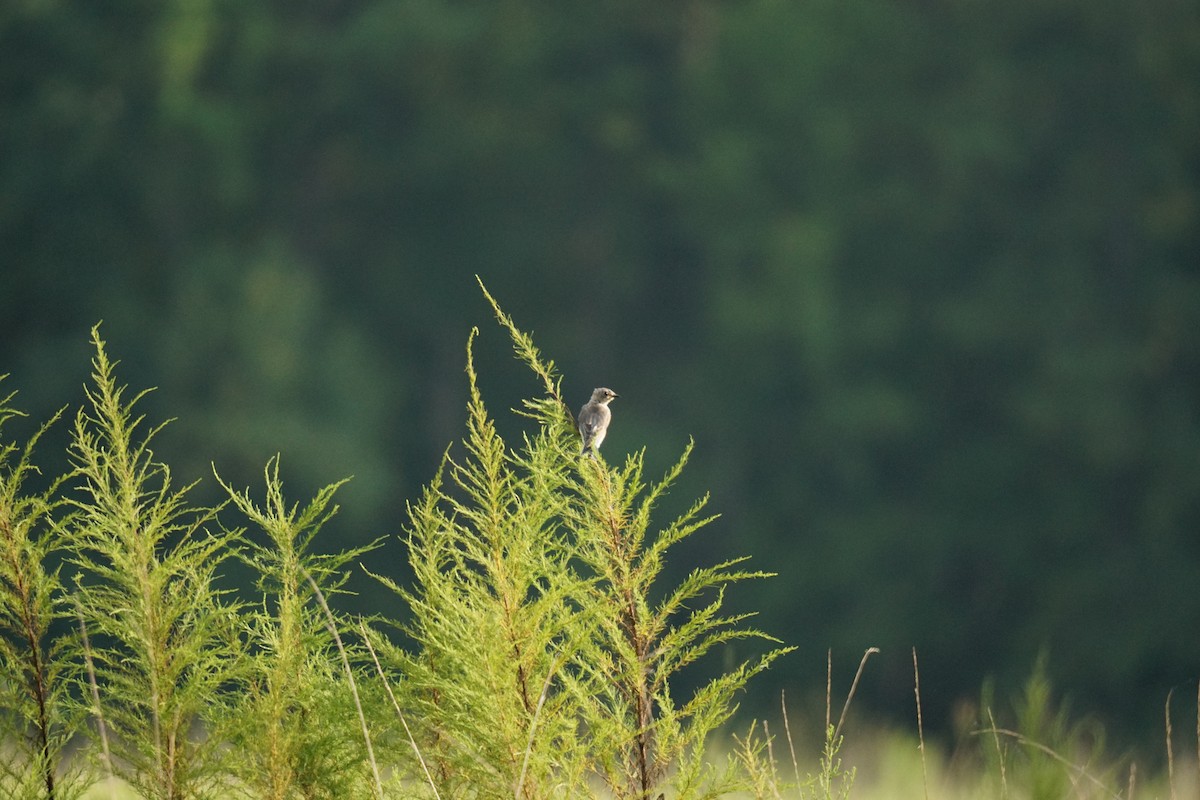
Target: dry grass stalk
[(920, 724)]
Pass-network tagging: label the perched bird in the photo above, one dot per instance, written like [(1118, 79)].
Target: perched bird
[(594, 418)]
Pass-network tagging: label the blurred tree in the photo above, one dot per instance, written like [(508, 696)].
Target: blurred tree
[(920, 278), (929, 257)]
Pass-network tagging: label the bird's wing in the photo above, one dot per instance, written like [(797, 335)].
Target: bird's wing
[(591, 419)]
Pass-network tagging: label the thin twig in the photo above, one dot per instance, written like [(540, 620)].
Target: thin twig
[(999, 754), (771, 757), (537, 711), (770, 744), (101, 728), (1170, 746), (920, 723), (386, 685), (853, 687), (1073, 770), (828, 689), (788, 729), (1132, 780), (362, 718)]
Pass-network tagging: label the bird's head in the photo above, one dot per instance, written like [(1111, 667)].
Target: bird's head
[(603, 396)]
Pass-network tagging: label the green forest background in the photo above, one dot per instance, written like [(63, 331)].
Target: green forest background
[(921, 278)]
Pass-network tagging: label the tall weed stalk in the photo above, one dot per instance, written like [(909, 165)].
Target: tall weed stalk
[(292, 728), (163, 639), (493, 613), (542, 667), (36, 720)]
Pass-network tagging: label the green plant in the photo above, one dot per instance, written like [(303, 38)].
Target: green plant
[(542, 647), (493, 614), (642, 734), (755, 755), (292, 729), (833, 781), (35, 718), (163, 639), (540, 657), (1046, 751)]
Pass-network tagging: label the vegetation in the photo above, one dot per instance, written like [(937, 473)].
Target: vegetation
[(542, 657), (919, 278), (538, 656), (36, 720), (162, 644), (535, 663), (288, 730)]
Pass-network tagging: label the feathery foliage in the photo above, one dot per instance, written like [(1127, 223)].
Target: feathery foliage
[(292, 729), (163, 639), (493, 612), (541, 664), (543, 648), (36, 722), (644, 734), (626, 656)]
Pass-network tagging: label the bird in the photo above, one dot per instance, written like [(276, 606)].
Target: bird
[(593, 420)]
